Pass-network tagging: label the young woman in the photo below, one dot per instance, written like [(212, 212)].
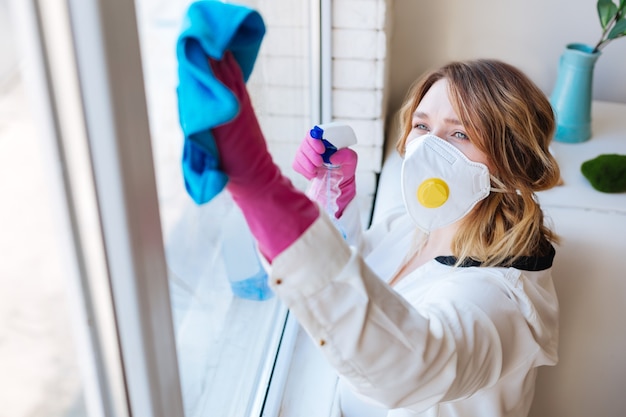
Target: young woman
[(446, 307)]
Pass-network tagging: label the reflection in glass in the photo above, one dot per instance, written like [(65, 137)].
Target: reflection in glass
[(226, 343)]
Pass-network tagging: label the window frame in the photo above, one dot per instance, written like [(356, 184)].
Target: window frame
[(85, 71), (85, 64)]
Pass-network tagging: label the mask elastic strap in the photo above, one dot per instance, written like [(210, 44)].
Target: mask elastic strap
[(500, 188), (504, 191)]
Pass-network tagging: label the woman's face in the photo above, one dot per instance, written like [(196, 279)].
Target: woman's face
[(435, 115)]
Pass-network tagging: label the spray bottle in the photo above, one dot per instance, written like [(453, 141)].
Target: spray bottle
[(324, 188)]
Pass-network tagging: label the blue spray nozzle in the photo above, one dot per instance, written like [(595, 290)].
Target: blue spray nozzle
[(318, 133)]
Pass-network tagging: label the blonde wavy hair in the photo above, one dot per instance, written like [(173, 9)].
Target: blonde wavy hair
[(511, 121)]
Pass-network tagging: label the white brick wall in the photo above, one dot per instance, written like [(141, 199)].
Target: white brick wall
[(359, 43), (360, 14), (280, 83), (360, 33)]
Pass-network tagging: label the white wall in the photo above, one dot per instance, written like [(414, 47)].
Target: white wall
[(8, 56), (529, 34)]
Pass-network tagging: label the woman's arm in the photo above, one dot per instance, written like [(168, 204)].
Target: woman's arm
[(461, 337)]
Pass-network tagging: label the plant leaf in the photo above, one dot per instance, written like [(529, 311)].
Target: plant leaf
[(619, 29), (606, 11)]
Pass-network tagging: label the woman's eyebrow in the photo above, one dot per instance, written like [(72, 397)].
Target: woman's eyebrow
[(452, 121), (456, 122)]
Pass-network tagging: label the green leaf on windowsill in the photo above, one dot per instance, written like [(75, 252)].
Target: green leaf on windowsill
[(606, 173)]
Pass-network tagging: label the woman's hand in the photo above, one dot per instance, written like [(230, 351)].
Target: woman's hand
[(308, 161)]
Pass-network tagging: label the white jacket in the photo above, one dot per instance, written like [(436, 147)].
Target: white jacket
[(446, 341)]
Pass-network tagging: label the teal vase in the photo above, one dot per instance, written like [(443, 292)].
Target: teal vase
[(572, 94)]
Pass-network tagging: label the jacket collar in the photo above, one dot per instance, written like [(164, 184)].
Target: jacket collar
[(524, 263)]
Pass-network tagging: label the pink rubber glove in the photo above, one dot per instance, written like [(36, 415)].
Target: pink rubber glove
[(276, 212), (308, 161)]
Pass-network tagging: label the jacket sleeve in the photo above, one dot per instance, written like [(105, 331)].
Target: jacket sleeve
[(394, 353)]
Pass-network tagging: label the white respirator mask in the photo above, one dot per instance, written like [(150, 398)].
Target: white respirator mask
[(440, 185)]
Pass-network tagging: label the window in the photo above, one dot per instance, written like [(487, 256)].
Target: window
[(38, 356), (136, 245), (226, 343)]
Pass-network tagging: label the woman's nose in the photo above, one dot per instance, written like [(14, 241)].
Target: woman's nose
[(436, 131)]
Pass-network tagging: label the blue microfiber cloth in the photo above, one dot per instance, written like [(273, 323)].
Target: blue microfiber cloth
[(210, 28)]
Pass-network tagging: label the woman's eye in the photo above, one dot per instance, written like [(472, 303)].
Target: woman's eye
[(420, 126), (460, 135)]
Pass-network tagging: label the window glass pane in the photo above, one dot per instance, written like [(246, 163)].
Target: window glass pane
[(38, 359), (225, 339)]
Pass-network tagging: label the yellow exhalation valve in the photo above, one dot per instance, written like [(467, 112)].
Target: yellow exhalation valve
[(433, 192)]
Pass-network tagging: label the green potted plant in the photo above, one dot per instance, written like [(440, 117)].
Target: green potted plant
[(571, 97), (613, 22)]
